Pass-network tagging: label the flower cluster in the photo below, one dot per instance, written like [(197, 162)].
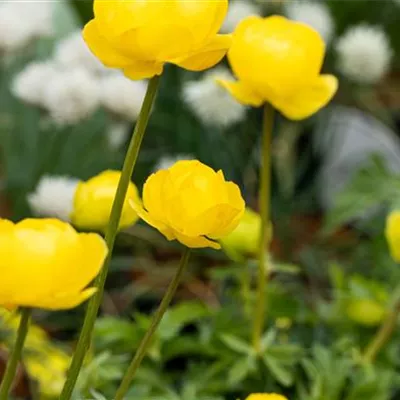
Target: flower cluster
[(23, 22), (73, 84)]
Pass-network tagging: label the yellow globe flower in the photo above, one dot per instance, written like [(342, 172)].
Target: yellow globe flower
[(392, 233), (192, 203), (266, 396), (94, 198), (45, 263), (140, 36), (244, 239), (279, 61), (365, 312)]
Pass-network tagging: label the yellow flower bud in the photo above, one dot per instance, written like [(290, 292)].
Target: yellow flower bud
[(266, 396), (244, 239), (279, 61), (45, 263), (191, 203), (140, 36), (365, 312), (94, 198), (392, 233)]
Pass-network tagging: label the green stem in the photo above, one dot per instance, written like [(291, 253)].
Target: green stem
[(383, 335), (111, 233), (144, 344), (264, 207), (15, 355)]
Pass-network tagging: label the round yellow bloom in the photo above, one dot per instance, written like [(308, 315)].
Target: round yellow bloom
[(140, 36), (365, 312), (279, 61), (94, 198), (45, 263), (244, 239), (392, 233), (266, 396), (192, 203)]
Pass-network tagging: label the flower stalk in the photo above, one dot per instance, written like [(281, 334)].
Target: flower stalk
[(382, 336), (265, 213), (15, 355), (110, 235), (144, 344)]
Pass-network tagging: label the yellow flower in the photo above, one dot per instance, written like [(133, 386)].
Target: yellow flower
[(244, 239), (279, 61), (266, 396), (365, 312), (392, 233), (192, 203), (45, 263), (140, 36), (94, 198)]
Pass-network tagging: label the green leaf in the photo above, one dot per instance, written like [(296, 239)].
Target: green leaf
[(280, 372), (236, 344), (240, 370), (179, 316)]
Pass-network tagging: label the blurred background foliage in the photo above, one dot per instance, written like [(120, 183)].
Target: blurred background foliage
[(332, 282)]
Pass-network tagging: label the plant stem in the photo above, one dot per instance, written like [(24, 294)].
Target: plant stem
[(144, 344), (383, 335), (264, 208), (110, 235), (15, 355)]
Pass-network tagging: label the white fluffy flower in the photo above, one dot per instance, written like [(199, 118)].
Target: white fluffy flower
[(72, 51), (364, 54), (71, 95), (210, 102), (29, 85), (316, 15), (21, 22), (168, 161), (238, 10), (53, 197), (122, 96)]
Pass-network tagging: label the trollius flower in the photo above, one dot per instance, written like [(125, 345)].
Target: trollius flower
[(45, 263), (140, 36), (266, 396), (278, 61), (94, 198), (192, 203)]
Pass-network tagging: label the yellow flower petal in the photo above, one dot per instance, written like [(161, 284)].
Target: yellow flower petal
[(65, 301), (309, 100), (197, 242), (104, 51), (392, 233), (212, 53), (242, 93), (94, 198), (266, 396), (42, 258)]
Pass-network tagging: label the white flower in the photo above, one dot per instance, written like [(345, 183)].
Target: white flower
[(364, 54), (316, 15), (210, 102), (29, 85), (168, 161), (53, 197), (23, 21), (71, 95), (122, 96), (117, 134), (238, 10), (72, 51)]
